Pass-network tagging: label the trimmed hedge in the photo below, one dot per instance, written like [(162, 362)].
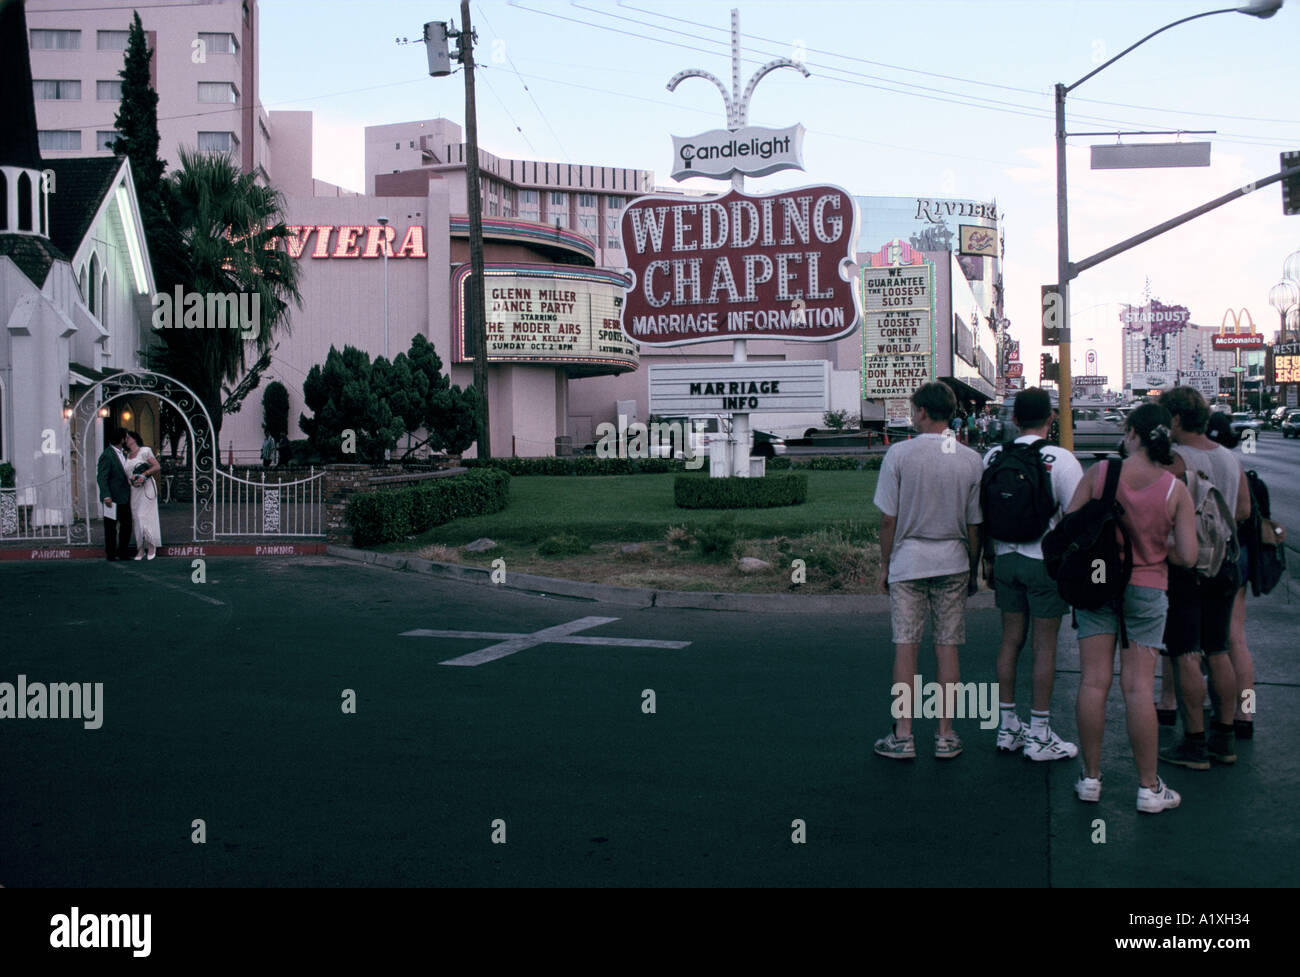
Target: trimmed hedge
[(582, 465), (697, 492), (589, 465), (391, 514), (827, 463)]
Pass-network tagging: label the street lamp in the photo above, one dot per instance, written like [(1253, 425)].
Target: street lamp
[(1283, 296), (1064, 270), (383, 222)]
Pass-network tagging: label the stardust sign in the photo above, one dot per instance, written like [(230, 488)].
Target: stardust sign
[(740, 266), (752, 150)]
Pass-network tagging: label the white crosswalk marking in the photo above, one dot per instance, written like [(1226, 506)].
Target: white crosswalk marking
[(564, 634)]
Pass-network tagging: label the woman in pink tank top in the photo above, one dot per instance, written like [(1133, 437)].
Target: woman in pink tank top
[(1154, 503)]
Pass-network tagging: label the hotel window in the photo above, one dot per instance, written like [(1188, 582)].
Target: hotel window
[(219, 43), (613, 239), (104, 140), (587, 201), (112, 40), (557, 213), (613, 203), (217, 91), (217, 142), (56, 139), (108, 91), (588, 226), (529, 206), (56, 40), (57, 90)]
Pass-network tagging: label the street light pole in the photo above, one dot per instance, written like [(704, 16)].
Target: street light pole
[(1065, 271)]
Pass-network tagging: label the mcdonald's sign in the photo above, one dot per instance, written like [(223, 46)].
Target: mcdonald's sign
[(1238, 338)]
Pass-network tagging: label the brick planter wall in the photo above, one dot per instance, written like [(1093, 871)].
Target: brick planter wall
[(344, 481)]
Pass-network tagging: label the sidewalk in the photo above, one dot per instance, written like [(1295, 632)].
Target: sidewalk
[(176, 520)]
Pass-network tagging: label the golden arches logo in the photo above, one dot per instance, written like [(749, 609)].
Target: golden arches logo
[(1236, 323)]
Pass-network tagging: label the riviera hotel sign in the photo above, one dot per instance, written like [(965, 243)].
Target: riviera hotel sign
[(740, 266)]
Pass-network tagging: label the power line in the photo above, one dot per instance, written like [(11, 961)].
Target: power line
[(555, 135), (492, 88), (835, 135), (970, 81), (934, 94)]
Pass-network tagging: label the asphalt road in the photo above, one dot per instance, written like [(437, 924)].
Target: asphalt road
[(222, 701)]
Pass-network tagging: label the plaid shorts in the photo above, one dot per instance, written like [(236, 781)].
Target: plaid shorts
[(945, 600)]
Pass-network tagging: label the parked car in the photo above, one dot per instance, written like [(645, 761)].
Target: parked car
[(767, 445), (1291, 426), (1278, 416), (1243, 420), (702, 428)]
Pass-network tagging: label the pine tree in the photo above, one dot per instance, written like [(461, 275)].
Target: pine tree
[(138, 140), (137, 117)]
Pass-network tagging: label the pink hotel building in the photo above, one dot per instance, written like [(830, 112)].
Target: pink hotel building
[(547, 224)]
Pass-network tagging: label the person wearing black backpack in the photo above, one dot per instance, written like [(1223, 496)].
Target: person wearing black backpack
[(1025, 487), (1201, 599), (1153, 505)]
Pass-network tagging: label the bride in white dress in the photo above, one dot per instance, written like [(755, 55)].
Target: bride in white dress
[(144, 496)]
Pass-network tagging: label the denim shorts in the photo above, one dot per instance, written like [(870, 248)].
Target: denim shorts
[(1145, 609)]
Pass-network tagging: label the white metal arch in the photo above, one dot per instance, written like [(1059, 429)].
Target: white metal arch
[(203, 442)]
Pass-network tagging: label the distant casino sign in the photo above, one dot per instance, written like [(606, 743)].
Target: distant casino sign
[(740, 266), (545, 314)]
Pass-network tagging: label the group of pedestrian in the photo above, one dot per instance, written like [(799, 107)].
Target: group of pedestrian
[(973, 426), (946, 513)]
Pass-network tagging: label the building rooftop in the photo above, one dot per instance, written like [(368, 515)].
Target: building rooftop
[(79, 186), (34, 255)]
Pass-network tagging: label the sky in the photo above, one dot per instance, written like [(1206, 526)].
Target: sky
[(932, 98)]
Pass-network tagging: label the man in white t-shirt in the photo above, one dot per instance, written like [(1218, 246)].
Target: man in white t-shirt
[(1023, 590), (928, 496)]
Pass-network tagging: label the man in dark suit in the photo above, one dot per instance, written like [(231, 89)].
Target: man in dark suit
[(115, 490)]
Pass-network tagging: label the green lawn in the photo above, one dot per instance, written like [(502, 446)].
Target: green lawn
[(640, 507)]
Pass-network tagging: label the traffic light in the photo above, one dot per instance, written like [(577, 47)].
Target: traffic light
[(1049, 370), (1291, 186)]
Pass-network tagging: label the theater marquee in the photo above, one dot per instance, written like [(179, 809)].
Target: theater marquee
[(545, 314)]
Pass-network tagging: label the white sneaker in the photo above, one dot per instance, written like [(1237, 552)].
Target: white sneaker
[(1161, 798), (1088, 788), (1051, 748), (1013, 740)]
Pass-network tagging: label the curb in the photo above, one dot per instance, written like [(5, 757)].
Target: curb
[(639, 596)]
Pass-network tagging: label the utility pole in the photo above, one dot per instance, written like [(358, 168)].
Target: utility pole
[(436, 34), (474, 198)]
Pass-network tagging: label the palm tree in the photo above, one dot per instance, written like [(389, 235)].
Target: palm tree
[(229, 230)]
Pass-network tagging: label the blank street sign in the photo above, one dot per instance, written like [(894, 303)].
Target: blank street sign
[(1143, 155)]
